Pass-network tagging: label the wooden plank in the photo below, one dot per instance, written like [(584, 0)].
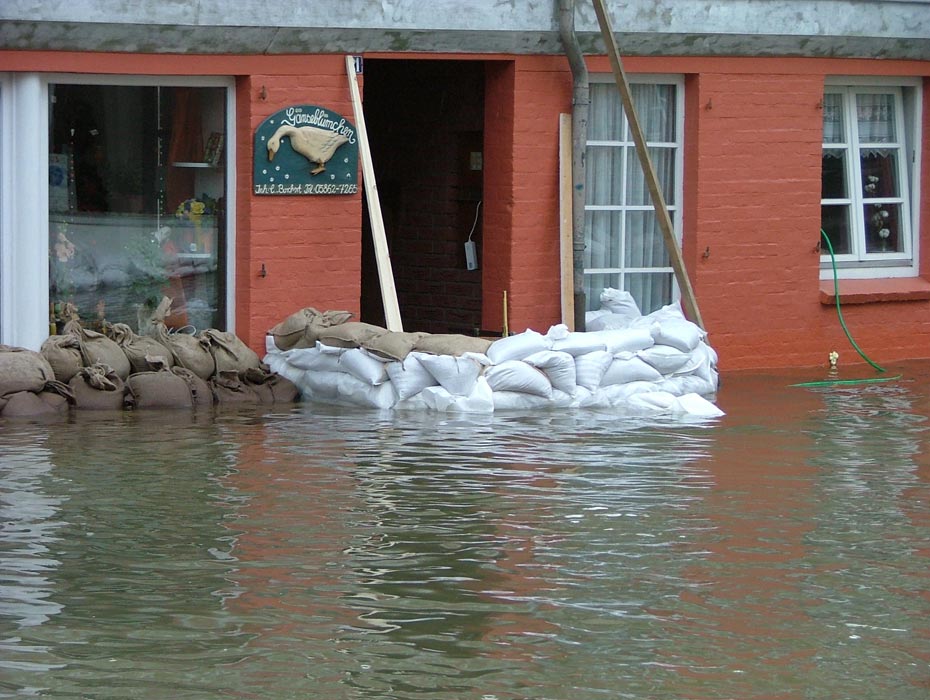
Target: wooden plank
[(566, 253), (689, 302), (392, 318)]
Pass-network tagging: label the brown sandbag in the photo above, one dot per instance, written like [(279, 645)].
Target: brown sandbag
[(229, 388), (27, 404), (188, 351), (291, 330), (451, 344), (229, 352), (350, 334), (270, 386), (23, 370), (201, 392), (158, 389), (96, 348), (63, 353), (140, 350), (98, 388), (393, 345)]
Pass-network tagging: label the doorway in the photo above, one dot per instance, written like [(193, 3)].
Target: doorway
[(425, 122)]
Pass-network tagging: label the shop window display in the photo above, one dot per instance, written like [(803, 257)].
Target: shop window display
[(137, 204)]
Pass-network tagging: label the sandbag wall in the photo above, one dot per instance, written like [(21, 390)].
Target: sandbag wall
[(84, 369), (630, 363)]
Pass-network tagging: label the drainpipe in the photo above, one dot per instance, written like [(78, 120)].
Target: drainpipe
[(580, 102)]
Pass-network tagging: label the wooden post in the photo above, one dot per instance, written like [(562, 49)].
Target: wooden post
[(652, 181), (382, 255), (565, 221)]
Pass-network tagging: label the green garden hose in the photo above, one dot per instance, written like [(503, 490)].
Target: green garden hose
[(839, 313)]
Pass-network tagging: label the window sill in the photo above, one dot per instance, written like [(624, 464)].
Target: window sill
[(854, 291)]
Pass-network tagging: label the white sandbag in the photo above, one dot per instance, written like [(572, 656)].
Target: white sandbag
[(591, 316), (557, 332), (517, 347), (577, 343), (360, 364), (516, 375), (620, 302), (651, 402), (590, 368), (479, 400), (314, 359), (664, 358), (619, 394), (696, 405), (330, 349), (410, 377), (457, 375), (608, 322), (277, 363), (627, 367), (625, 339), (681, 334), (518, 401), (321, 384), (562, 399), (558, 366), (412, 403), (687, 384), (703, 363), (359, 393)]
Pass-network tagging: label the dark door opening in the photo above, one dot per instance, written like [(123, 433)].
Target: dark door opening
[(425, 123)]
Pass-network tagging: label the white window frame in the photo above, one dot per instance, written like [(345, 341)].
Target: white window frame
[(859, 264), (24, 194), (630, 148)]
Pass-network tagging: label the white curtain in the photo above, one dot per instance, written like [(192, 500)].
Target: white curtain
[(624, 244)]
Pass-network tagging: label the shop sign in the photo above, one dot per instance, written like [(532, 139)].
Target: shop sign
[(305, 149)]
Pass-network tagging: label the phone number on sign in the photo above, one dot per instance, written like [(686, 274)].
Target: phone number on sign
[(306, 189)]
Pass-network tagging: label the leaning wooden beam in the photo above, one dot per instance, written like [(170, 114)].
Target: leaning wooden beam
[(689, 302), (392, 318)]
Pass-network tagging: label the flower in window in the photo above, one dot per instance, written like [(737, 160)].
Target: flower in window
[(194, 210)]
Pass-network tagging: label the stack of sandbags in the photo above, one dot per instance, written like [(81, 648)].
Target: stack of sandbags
[(28, 387), (161, 370), (634, 363)]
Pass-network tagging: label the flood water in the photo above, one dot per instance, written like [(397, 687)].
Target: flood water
[(782, 551)]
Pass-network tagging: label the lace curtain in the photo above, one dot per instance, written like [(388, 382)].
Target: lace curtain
[(624, 244)]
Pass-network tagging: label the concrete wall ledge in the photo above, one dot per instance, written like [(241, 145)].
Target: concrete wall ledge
[(895, 29)]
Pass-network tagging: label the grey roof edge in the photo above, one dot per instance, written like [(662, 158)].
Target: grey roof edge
[(213, 40)]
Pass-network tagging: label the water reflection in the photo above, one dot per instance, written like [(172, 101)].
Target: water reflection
[(326, 552)]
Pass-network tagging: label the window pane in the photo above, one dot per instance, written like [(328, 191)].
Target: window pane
[(876, 119), (882, 228), (879, 173), (139, 214), (663, 161), (651, 290), (834, 220), (655, 107), (597, 283), (606, 122), (645, 245), (834, 174), (834, 130), (602, 239), (604, 175)]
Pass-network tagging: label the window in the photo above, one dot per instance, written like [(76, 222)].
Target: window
[(624, 247), (867, 179), (137, 203)]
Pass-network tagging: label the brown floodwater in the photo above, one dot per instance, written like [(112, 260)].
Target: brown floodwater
[(781, 551)]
